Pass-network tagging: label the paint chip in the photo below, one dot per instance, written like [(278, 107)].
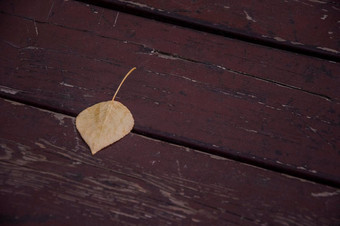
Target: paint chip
[(279, 39), (325, 194), (296, 43), (8, 90), (328, 49), (249, 17), (324, 17)]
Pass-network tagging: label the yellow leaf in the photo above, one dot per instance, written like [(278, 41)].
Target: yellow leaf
[(105, 123)]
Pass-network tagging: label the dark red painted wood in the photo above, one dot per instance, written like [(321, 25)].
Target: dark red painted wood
[(48, 176), (304, 24), (199, 103), (296, 71)]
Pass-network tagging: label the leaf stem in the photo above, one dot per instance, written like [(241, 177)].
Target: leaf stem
[(114, 96)]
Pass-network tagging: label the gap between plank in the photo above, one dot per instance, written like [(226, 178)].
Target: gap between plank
[(198, 146)]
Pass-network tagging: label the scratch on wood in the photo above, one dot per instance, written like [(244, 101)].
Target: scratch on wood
[(49, 13), (32, 157), (66, 84), (297, 178), (36, 28), (115, 22), (178, 169), (318, 1), (8, 152), (101, 16), (290, 220), (126, 186), (179, 205), (22, 147), (56, 115), (186, 78), (40, 145), (11, 44), (338, 9), (248, 130), (33, 47), (52, 145)]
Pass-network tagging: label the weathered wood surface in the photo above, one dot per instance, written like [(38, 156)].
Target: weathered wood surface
[(305, 25), (295, 71), (67, 56), (48, 176)]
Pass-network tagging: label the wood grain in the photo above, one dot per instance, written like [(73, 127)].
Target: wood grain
[(48, 176), (304, 25), (284, 68), (182, 99)]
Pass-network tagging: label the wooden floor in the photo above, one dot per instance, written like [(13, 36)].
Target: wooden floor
[(236, 107)]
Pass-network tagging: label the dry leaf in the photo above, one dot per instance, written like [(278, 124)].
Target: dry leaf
[(105, 123)]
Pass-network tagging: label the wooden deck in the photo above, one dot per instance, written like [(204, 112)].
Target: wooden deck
[(236, 107)]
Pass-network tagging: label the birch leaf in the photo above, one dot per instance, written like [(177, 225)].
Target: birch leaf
[(105, 123)]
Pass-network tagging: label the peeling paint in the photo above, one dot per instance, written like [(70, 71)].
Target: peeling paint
[(301, 168), (60, 118), (325, 194), (217, 157), (279, 39), (296, 43), (9, 90), (328, 49), (324, 17), (249, 17), (14, 103), (141, 5)]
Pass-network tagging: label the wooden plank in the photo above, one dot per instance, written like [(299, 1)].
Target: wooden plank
[(295, 71), (174, 98), (307, 26), (48, 176)]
